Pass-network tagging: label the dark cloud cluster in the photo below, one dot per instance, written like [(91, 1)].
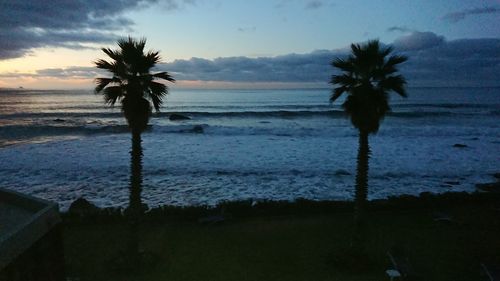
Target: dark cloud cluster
[(432, 61), (461, 15), (468, 62), (28, 24), (311, 67), (418, 41)]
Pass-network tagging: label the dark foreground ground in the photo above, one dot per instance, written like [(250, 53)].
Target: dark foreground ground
[(295, 242)]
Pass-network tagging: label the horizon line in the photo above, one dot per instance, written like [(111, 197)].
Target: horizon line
[(20, 89)]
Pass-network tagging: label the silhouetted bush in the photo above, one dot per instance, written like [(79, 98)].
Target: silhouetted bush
[(250, 208)]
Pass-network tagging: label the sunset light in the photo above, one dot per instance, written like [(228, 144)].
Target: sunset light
[(227, 140)]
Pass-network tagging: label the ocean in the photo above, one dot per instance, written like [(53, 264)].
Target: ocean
[(256, 145)]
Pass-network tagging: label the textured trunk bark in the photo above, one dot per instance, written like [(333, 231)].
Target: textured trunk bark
[(361, 191), (135, 203)]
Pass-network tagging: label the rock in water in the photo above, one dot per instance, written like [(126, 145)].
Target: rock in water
[(341, 172), (176, 117), (459, 145), (489, 187), (198, 129)]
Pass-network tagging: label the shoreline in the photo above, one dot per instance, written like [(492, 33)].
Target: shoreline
[(83, 211), (81, 207)]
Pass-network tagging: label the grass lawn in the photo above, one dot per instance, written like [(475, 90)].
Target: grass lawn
[(293, 247)]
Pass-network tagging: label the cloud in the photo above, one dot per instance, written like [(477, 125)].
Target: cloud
[(433, 61), (311, 67), (308, 5), (19, 43), (72, 72), (247, 29), (27, 24), (418, 41), (463, 62), (461, 15), (399, 29), (282, 4), (316, 4)]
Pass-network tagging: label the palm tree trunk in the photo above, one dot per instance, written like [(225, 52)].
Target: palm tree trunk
[(361, 192), (135, 203)]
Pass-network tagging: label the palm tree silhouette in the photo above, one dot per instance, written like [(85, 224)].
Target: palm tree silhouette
[(138, 90), (367, 75)]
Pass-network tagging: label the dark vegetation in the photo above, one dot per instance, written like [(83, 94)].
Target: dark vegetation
[(444, 237), (235, 210)]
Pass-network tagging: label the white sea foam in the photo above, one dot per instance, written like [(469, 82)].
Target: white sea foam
[(242, 156)]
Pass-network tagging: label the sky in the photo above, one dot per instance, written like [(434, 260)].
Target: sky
[(248, 44)]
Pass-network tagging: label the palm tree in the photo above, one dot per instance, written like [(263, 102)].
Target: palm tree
[(138, 90), (367, 75)]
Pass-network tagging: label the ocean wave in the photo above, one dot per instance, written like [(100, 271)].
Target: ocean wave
[(446, 105), (26, 132), (61, 115), (19, 131), (271, 114), (243, 114), (271, 110)]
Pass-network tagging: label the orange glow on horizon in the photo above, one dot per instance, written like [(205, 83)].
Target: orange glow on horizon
[(48, 83), (49, 58)]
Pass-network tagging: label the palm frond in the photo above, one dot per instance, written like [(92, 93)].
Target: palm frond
[(153, 57), (356, 50), (103, 82), (140, 44), (337, 92), (128, 43), (157, 93), (164, 76), (395, 59), (116, 67), (147, 61), (343, 65), (344, 80), (132, 53), (372, 48), (115, 55), (394, 83), (112, 94), (103, 64), (386, 51)]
